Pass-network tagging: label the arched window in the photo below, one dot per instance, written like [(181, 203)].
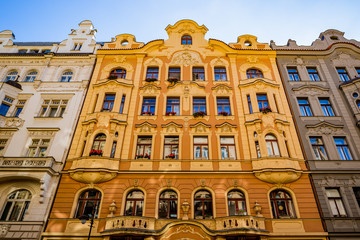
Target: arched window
[(119, 73), (236, 203), (272, 145), (88, 203), (281, 204), (66, 76), (99, 142), (11, 76), (16, 205), (168, 204), (134, 203), (203, 208), (254, 73), (186, 40), (30, 77), (358, 104)]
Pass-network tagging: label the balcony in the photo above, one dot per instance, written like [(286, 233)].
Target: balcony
[(277, 170), (225, 225), (93, 169), (27, 162)]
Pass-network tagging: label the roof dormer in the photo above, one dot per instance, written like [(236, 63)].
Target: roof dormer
[(194, 33)]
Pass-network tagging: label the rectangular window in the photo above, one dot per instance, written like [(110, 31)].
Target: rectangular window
[(357, 194), (223, 106), (201, 148), (343, 148), (220, 74), (227, 146), (358, 71), (19, 107), (313, 74), (113, 149), (199, 104), (293, 74), (122, 103), (249, 103), (343, 74), (198, 74), (171, 147), (143, 148), (262, 101), (5, 105), (108, 102), (53, 108), (326, 107), (148, 107), (335, 202), (304, 106), (38, 147), (173, 106), (318, 148), (174, 73), (257, 146), (2, 146), (77, 46), (152, 73)]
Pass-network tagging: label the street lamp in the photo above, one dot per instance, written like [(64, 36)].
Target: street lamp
[(83, 220)]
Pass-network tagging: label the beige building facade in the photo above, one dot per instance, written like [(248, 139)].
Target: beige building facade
[(43, 86)]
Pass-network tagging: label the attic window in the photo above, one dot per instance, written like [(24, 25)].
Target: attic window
[(34, 51), (46, 51), (334, 38), (247, 43), (124, 43), (22, 51), (186, 40)]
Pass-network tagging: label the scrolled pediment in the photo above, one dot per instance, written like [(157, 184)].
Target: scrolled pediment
[(258, 83), (150, 89), (226, 127), (325, 128), (200, 127), (222, 89), (310, 90), (145, 127), (172, 127)]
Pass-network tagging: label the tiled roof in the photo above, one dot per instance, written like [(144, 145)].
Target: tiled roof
[(35, 43)]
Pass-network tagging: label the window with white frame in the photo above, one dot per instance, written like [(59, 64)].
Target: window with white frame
[(38, 147), (66, 76), (5, 105), (335, 201), (201, 148), (11, 76), (227, 145), (2, 146), (16, 206), (19, 107), (30, 76), (53, 108)]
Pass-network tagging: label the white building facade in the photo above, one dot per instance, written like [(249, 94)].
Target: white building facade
[(42, 88)]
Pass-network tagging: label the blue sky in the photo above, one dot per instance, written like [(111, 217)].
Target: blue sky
[(277, 20)]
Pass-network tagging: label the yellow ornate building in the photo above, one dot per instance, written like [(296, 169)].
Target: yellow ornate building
[(185, 138)]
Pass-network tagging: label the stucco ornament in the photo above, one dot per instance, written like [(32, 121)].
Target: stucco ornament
[(309, 90), (186, 58), (14, 122), (330, 181), (92, 176), (4, 230), (150, 89), (325, 128), (252, 59), (186, 28), (222, 89), (120, 59), (278, 177)]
